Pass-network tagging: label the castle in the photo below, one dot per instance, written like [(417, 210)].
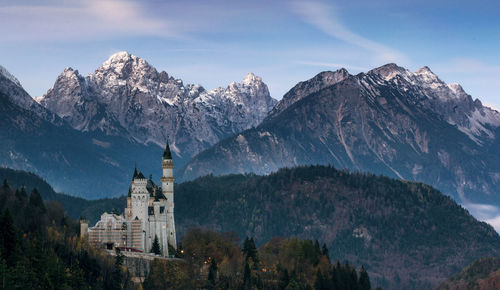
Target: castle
[(149, 215)]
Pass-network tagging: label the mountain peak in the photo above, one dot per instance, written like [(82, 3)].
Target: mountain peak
[(69, 72), (123, 64), (389, 71), (120, 59), (120, 56), (250, 79), (424, 70), (426, 75)]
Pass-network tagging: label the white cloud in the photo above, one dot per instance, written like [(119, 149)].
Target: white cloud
[(324, 18), (79, 20)]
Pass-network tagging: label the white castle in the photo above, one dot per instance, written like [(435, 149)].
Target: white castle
[(149, 215)]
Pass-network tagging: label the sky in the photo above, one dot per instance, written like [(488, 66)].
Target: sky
[(214, 43)]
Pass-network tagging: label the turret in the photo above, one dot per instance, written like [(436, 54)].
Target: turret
[(137, 204), (167, 185), (84, 228)]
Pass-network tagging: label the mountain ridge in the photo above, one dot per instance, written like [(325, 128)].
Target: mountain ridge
[(125, 87), (400, 127)]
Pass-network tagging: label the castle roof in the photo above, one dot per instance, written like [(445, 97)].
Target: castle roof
[(135, 172), (151, 186), (167, 154)]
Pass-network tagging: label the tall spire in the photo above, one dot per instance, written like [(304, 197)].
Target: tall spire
[(167, 154), (135, 171)]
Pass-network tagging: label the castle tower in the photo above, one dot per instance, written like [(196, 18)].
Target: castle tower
[(137, 206), (84, 228), (167, 186)]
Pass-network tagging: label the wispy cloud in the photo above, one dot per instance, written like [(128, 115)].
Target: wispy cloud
[(79, 20), (324, 17)]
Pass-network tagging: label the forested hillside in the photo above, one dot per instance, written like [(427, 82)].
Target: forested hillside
[(406, 234), (40, 248)]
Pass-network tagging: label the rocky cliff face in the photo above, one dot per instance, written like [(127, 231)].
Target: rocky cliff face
[(389, 121), (126, 96)]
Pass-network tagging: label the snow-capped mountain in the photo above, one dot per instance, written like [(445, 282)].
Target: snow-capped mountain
[(126, 96), (390, 121)]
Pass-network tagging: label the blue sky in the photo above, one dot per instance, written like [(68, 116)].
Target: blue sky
[(216, 42)]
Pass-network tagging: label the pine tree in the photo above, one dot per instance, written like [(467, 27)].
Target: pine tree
[(36, 200), (247, 277), (212, 275), (117, 279), (284, 279), (364, 280), (325, 250), (245, 247), (155, 248), (317, 249), (320, 284), (325, 253), (352, 276), (8, 238), (250, 250)]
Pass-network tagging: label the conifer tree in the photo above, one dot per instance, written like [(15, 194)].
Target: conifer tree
[(317, 249), (364, 280), (325, 250), (325, 253), (250, 250), (247, 277), (8, 238), (212, 275), (284, 279), (155, 248), (36, 200), (320, 284), (245, 247), (117, 279)]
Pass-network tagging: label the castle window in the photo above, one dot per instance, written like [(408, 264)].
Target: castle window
[(162, 209), (151, 210)]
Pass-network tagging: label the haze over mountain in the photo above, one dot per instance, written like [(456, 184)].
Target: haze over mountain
[(128, 97), (388, 121)]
